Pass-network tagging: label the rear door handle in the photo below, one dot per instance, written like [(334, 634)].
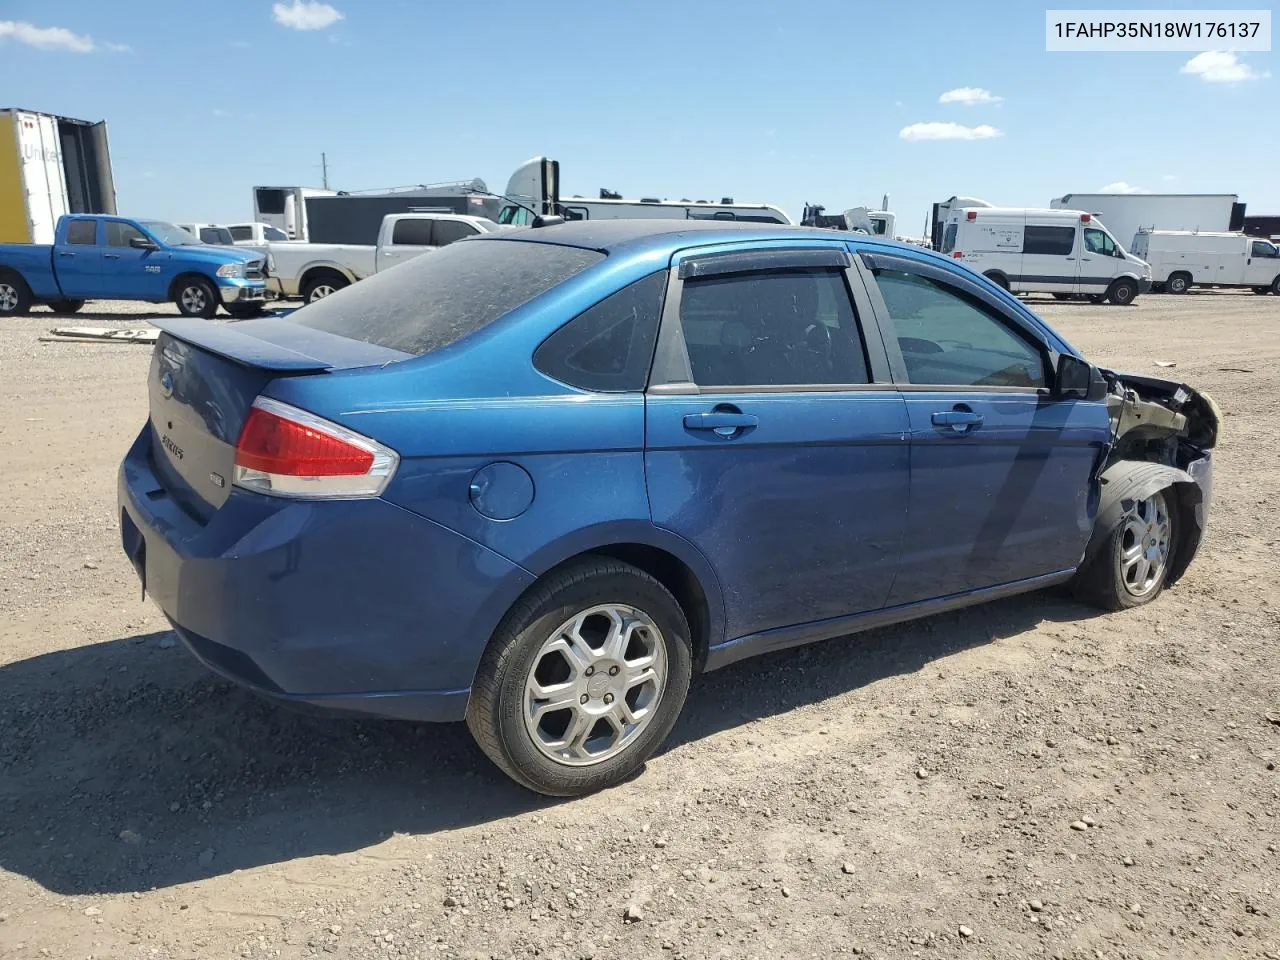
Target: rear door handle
[(725, 423), (65, 253), (111, 256), (957, 421)]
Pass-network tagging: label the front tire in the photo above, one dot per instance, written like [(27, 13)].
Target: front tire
[(1275, 286), (998, 279), (583, 679), (1179, 283), (1123, 292), (15, 296), (1129, 570), (195, 297), (325, 285)]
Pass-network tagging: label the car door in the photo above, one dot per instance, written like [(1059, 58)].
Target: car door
[(1048, 258), (130, 272), (78, 260), (1001, 473), (1098, 262), (774, 440), (410, 237), (1262, 265)]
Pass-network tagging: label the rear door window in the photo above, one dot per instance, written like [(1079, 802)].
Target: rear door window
[(82, 232), (412, 233), (440, 299), (772, 328), (610, 346), (241, 233)]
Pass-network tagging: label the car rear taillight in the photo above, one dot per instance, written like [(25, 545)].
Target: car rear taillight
[(957, 255), (288, 452)]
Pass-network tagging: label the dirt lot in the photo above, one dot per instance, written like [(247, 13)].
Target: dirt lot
[(906, 793)]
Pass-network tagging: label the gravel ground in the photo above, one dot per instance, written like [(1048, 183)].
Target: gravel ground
[(1020, 780)]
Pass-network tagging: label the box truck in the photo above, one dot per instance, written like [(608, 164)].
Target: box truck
[(50, 166), (1127, 213), (1181, 259)]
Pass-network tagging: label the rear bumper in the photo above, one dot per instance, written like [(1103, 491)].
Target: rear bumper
[(357, 606)]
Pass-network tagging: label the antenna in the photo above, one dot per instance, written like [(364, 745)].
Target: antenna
[(324, 170)]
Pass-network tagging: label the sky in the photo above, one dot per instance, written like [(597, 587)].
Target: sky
[(820, 101)]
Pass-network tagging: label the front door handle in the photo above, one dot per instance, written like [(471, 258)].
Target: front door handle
[(111, 256), (65, 253), (959, 422), (725, 423)]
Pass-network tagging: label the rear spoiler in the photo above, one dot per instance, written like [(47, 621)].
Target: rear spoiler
[(271, 344)]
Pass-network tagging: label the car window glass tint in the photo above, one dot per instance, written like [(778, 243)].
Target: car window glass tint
[(1055, 241), (436, 300), (772, 328), (447, 231), (1263, 249), (948, 338), (610, 346), (82, 232), (416, 233), (1095, 241), (241, 233), (271, 233), (120, 234)]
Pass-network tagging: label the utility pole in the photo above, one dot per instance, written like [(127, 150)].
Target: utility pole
[(324, 170)]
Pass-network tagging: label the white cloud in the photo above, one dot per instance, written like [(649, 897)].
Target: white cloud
[(969, 96), (56, 38), (948, 131), (1221, 66), (46, 38), (1121, 187), (305, 16)]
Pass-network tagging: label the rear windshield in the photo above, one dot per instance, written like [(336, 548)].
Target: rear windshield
[(433, 301)]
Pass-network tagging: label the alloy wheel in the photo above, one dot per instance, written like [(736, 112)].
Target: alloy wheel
[(1144, 546), (8, 298), (595, 684), (193, 299)]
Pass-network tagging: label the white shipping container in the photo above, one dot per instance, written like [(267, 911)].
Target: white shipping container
[(1127, 213)]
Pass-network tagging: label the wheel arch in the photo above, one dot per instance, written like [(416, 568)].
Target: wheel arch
[(998, 277), (1129, 480), (670, 559), (321, 267)]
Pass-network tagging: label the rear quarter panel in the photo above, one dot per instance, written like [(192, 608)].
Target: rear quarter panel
[(34, 263)]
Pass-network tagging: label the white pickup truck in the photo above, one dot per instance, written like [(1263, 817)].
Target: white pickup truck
[(315, 270)]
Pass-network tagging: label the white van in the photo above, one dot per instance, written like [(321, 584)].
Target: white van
[(1064, 252), (1181, 259)]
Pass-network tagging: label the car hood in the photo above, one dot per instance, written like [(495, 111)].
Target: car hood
[(208, 253)]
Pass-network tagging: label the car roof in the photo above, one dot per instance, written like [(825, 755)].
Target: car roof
[(639, 236)]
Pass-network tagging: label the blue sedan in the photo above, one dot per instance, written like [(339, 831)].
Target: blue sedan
[(538, 479)]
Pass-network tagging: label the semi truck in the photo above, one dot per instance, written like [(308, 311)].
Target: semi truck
[(50, 166), (1127, 213)]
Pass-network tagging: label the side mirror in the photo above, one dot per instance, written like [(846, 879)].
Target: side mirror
[(1119, 254), (1077, 379), (142, 243)]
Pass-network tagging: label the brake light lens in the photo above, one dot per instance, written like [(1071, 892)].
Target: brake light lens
[(287, 452), (957, 255), (971, 214)]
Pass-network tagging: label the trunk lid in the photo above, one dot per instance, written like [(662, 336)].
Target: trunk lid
[(204, 378)]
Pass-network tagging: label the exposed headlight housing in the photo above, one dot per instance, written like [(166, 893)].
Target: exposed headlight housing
[(231, 270)]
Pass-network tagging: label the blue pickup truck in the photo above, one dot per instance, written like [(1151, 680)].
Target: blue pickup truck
[(114, 258)]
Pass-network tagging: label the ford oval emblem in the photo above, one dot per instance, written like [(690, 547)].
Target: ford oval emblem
[(166, 384)]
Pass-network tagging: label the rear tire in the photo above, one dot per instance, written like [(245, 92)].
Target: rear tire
[(1275, 286), (195, 297), (1122, 292), (1130, 568), (1179, 283), (607, 641), (323, 285), (66, 306), (998, 279), (15, 296)]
